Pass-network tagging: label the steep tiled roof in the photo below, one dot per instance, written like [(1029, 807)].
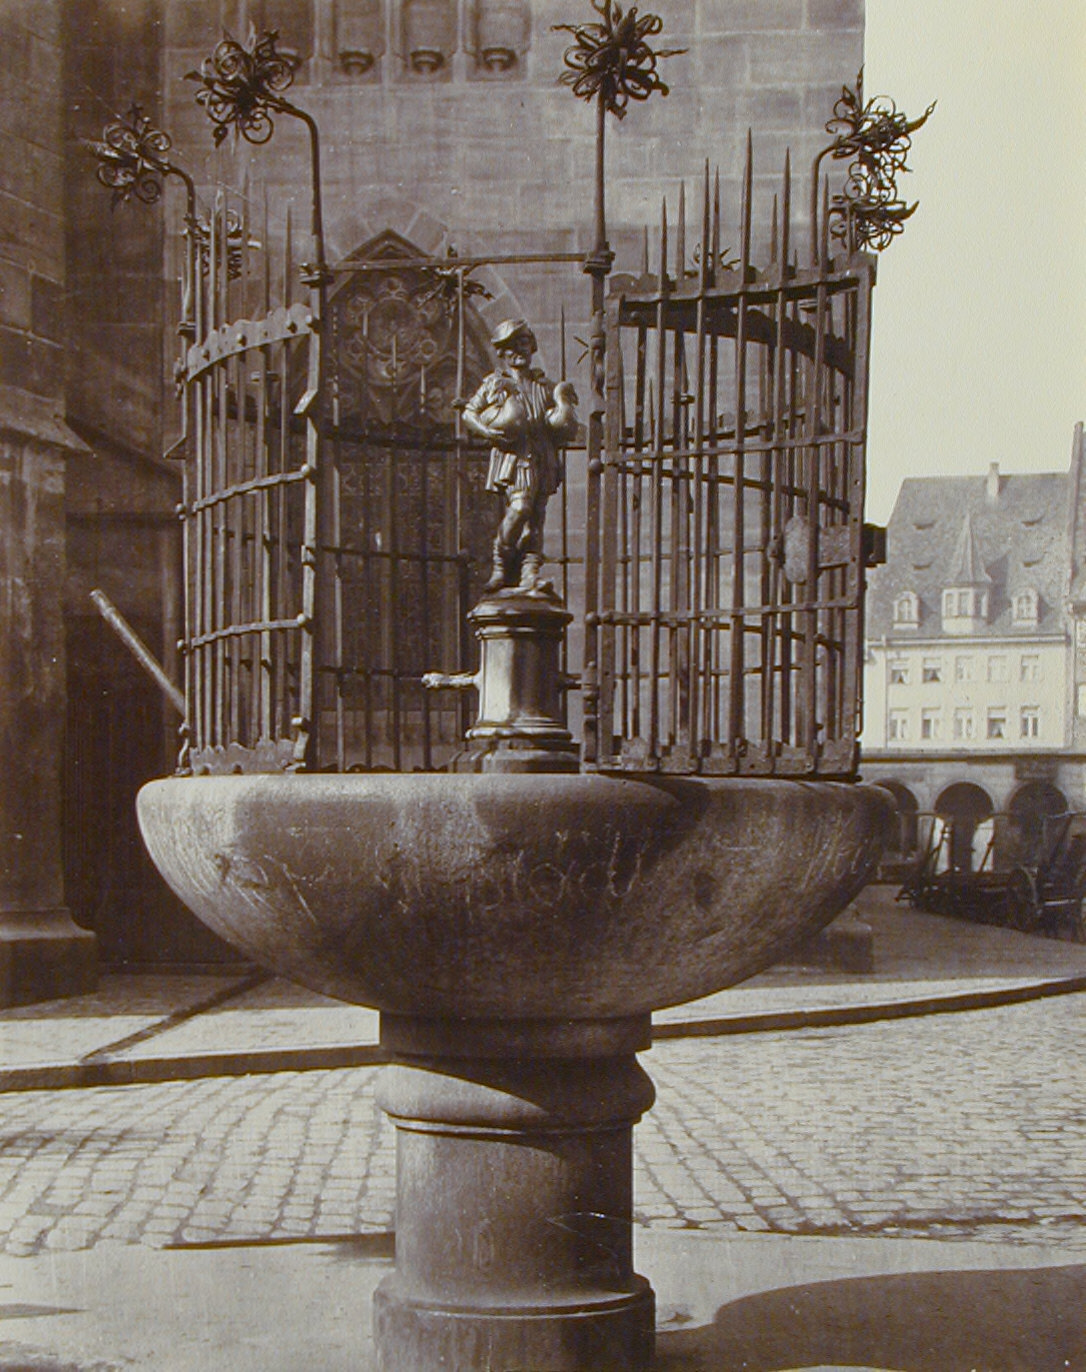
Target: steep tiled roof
[(1017, 536)]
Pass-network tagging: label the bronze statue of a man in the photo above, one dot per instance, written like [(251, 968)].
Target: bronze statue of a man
[(528, 420)]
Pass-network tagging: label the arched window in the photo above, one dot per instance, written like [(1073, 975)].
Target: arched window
[(906, 610), (1025, 606)]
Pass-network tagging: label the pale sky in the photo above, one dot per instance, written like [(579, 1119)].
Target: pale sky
[(979, 350)]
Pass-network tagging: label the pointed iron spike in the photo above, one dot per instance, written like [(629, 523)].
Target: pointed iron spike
[(708, 261), (748, 187), (620, 368), (288, 253), (774, 229), (824, 245), (645, 252), (266, 249), (663, 244), (680, 236), (716, 216), (786, 206)]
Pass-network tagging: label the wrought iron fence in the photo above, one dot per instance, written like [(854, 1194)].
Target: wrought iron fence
[(709, 535), (726, 536), (337, 530), (250, 505)]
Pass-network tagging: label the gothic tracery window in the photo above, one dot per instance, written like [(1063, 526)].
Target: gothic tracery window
[(413, 518)]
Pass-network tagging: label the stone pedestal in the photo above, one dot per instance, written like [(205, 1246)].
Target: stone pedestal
[(520, 681), (514, 1197), (43, 953)]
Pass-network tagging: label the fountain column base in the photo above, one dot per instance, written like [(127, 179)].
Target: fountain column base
[(514, 1197)]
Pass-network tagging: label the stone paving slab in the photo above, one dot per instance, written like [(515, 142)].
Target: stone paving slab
[(123, 1006), (273, 1015)]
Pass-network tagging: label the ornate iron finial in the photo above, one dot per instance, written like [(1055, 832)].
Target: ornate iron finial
[(132, 158), (612, 60), (868, 212), (448, 285), (239, 86)]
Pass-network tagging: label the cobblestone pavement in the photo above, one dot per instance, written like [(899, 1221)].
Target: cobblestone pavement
[(969, 1125)]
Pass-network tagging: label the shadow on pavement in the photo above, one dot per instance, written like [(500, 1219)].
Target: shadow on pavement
[(1031, 1320)]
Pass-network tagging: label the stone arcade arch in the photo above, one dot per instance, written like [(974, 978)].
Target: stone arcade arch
[(1031, 805), (964, 807)]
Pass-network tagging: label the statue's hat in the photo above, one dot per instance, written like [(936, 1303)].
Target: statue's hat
[(509, 329)]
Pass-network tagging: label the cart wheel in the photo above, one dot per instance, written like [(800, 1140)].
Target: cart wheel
[(1021, 905)]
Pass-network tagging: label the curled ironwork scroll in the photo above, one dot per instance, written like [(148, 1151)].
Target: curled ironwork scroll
[(133, 164), (868, 212), (240, 86), (612, 60), (132, 158)]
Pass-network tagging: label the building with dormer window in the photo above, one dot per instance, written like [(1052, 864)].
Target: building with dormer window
[(975, 671)]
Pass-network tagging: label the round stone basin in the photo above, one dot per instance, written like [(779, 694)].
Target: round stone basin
[(512, 896)]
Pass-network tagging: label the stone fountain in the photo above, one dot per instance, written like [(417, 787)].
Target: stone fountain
[(516, 923), (515, 926)]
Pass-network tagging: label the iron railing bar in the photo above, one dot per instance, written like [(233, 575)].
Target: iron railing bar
[(790, 492), (249, 487), (777, 726), (637, 471), (367, 598), (315, 578), (656, 415), (337, 588), (458, 264), (384, 554), (211, 737), (462, 447), (235, 517), (218, 240), (394, 602), (814, 484), (424, 562), (760, 287), (267, 501), (857, 414), (255, 626), (264, 555), (720, 618), (736, 692), (695, 648), (605, 533), (283, 654), (623, 563)]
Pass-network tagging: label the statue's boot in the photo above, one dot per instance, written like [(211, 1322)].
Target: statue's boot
[(530, 569), (499, 577)]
